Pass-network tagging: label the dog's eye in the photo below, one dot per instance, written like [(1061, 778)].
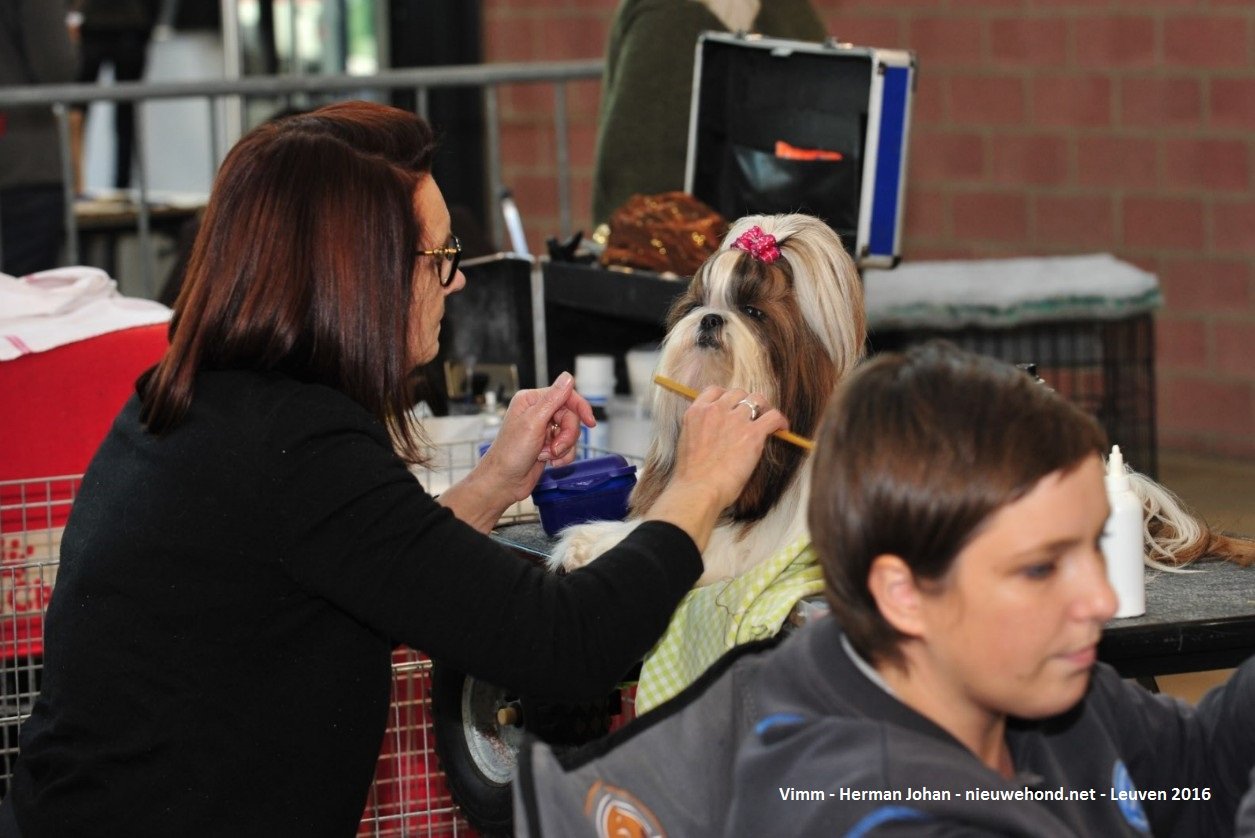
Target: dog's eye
[(756, 313)]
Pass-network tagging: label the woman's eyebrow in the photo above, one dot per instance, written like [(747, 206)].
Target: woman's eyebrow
[(1053, 547)]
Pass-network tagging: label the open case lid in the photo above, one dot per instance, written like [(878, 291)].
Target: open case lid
[(791, 126)]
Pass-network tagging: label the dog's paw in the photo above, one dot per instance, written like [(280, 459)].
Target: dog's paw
[(581, 544)]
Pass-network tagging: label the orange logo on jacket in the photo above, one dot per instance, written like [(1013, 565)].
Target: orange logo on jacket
[(617, 813)]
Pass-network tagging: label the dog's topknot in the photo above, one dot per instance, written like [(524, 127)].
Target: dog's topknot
[(825, 279)]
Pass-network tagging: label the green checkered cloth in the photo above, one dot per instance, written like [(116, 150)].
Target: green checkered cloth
[(711, 620)]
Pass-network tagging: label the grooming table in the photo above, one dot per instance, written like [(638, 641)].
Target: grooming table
[(1193, 621)]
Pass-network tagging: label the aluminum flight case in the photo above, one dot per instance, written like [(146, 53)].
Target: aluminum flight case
[(793, 126)]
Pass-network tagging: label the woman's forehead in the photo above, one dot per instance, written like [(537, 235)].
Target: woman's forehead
[(1063, 507)]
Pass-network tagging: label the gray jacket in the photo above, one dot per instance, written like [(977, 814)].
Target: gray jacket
[(798, 741), (35, 48), (1246, 812)]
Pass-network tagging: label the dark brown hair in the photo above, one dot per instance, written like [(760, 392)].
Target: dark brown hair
[(304, 263), (916, 451)]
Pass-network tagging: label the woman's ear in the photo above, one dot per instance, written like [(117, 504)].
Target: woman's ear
[(892, 585)]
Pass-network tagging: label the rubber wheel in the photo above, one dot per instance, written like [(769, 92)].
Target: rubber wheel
[(477, 753)]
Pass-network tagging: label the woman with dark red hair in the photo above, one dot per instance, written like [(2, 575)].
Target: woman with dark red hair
[(249, 544)]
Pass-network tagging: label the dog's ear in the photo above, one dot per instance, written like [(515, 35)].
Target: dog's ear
[(668, 410), (772, 477), (807, 376), (681, 306)]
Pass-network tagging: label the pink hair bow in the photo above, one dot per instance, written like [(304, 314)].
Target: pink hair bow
[(760, 245)]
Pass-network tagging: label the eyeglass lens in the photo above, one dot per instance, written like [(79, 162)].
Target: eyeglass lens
[(454, 256)]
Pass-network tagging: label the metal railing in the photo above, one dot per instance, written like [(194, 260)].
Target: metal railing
[(420, 81)]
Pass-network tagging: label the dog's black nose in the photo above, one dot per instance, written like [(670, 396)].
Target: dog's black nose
[(708, 331), (710, 322)]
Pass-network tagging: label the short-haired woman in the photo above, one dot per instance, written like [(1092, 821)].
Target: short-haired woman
[(957, 509), (247, 547)]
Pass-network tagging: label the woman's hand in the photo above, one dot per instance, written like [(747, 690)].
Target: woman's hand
[(540, 428), (721, 441)]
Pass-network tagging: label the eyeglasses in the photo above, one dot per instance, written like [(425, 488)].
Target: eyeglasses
[(451, 253)]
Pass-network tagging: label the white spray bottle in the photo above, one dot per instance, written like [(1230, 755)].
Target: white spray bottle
[(1122, 539)]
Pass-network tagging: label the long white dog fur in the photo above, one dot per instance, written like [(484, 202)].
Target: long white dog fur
[(789, 329)]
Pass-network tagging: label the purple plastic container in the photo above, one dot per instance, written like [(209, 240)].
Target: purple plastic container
[(596, 489)]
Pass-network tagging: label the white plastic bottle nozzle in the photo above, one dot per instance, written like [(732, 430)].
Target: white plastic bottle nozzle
[(1122, 539), (492, 422), (595, 381)]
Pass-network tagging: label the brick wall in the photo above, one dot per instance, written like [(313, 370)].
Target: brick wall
[(547, 30), (1040, 126)]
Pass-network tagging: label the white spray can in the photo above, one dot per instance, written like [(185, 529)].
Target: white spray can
[(1122, 539)]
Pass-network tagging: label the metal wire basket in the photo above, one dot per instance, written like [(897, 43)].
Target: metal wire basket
[(409, 796), (32, 517), (450, 462)]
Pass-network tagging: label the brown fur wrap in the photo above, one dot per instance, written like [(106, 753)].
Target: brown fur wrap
[(670, 231)]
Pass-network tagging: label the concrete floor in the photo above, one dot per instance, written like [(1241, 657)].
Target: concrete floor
[(1223, 493)]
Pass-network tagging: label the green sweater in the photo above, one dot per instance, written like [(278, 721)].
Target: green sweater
[(642, 133)]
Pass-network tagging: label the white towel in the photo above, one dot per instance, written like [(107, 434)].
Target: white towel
[(1006, 292), (48, 309)]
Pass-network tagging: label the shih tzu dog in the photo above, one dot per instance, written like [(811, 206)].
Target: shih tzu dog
[(777, 310)]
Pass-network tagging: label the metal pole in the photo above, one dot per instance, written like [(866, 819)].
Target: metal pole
[(294, 48), (60, 111), (147, 266), (563, 151), (492, 129), (383, 46), (462, 75), (215, 141), (335, 44), (169, 11), (232, 67)]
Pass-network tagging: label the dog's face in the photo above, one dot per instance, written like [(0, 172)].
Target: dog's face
[(743, 328)]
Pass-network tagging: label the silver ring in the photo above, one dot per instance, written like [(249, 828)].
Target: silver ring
[(752, 406)]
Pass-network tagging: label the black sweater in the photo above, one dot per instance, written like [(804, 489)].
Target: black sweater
[(217, 653)]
